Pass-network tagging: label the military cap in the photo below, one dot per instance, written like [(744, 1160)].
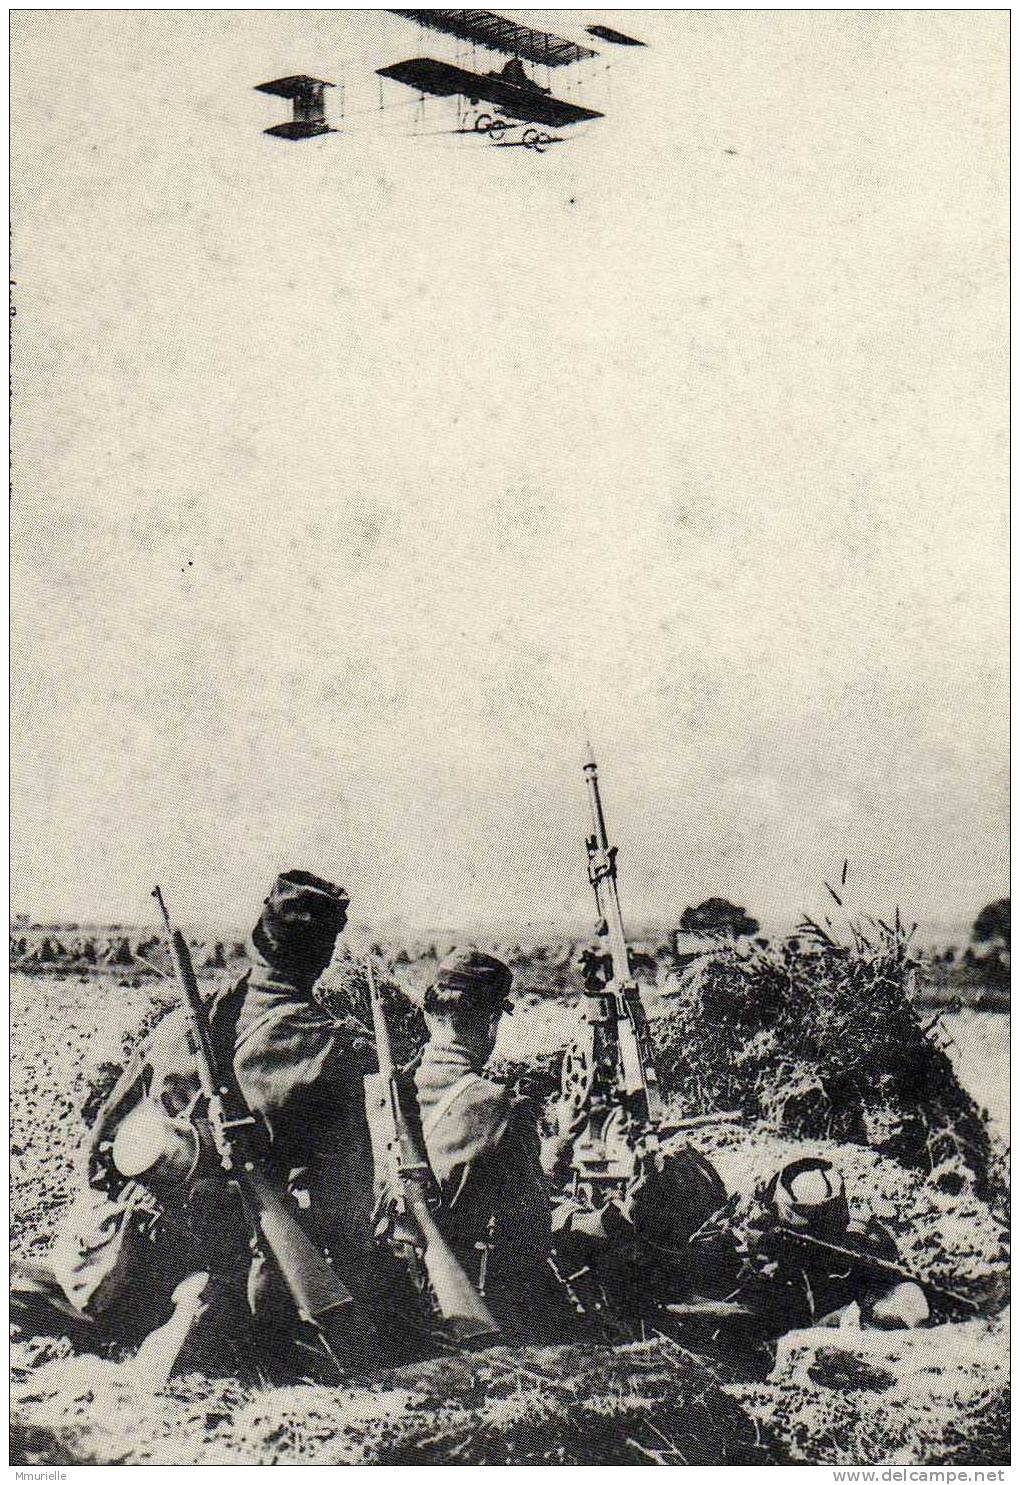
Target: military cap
[(300, 906), (469, 983), (472, 972)]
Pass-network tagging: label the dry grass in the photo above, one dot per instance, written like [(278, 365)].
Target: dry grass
[(639, 1404), (823, 1039)]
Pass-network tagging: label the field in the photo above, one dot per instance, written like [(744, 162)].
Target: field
[(936, 1396)]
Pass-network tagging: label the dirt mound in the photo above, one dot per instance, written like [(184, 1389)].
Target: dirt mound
[(949, 1239), (641, 1404), (926, 1396), (823, 1040)]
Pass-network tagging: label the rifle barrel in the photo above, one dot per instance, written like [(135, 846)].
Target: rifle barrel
[(184, 973), (885, 1265), (384, 1052)]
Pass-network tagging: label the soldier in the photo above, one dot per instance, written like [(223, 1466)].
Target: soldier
[(151, 1212), (497, 1180), (484, 1150), (819, 1258)]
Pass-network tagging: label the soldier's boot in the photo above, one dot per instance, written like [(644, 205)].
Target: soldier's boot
[(159, 1354)]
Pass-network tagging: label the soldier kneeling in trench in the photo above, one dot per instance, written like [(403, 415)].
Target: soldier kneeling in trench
[(814, 1262), (152, 1207), (501, 1210)]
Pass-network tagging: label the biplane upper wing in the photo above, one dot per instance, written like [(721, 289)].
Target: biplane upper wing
[(443, 80), (503, 35)]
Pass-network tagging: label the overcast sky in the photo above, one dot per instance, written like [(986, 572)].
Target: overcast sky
[(356, 480)]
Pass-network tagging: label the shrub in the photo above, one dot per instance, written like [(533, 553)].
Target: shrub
[(823, 1040)]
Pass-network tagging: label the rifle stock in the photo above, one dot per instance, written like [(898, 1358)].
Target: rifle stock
[(314, 1287), (465, 1313)]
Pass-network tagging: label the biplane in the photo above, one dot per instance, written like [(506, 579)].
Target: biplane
[(518, 100), (510, 90)]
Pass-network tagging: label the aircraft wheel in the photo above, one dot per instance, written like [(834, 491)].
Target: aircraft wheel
[(484, 122)]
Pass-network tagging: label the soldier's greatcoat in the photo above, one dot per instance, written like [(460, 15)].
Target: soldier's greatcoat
[(483, 1148), (121, 1250)]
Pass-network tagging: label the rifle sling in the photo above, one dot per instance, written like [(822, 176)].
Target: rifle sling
[(224, 1013)]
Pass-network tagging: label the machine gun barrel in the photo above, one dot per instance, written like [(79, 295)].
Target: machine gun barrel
[(637, 1076), (602, 873)]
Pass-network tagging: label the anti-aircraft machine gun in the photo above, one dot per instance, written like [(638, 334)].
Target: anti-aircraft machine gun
[(622, 1159), (610, 1086)]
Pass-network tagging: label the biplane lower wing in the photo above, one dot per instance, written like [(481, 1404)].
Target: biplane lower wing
[(443, 80)]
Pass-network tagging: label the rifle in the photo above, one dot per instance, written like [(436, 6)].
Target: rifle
[(319, 1296), (404, 1173), (610, 1086), (880, 1265)]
